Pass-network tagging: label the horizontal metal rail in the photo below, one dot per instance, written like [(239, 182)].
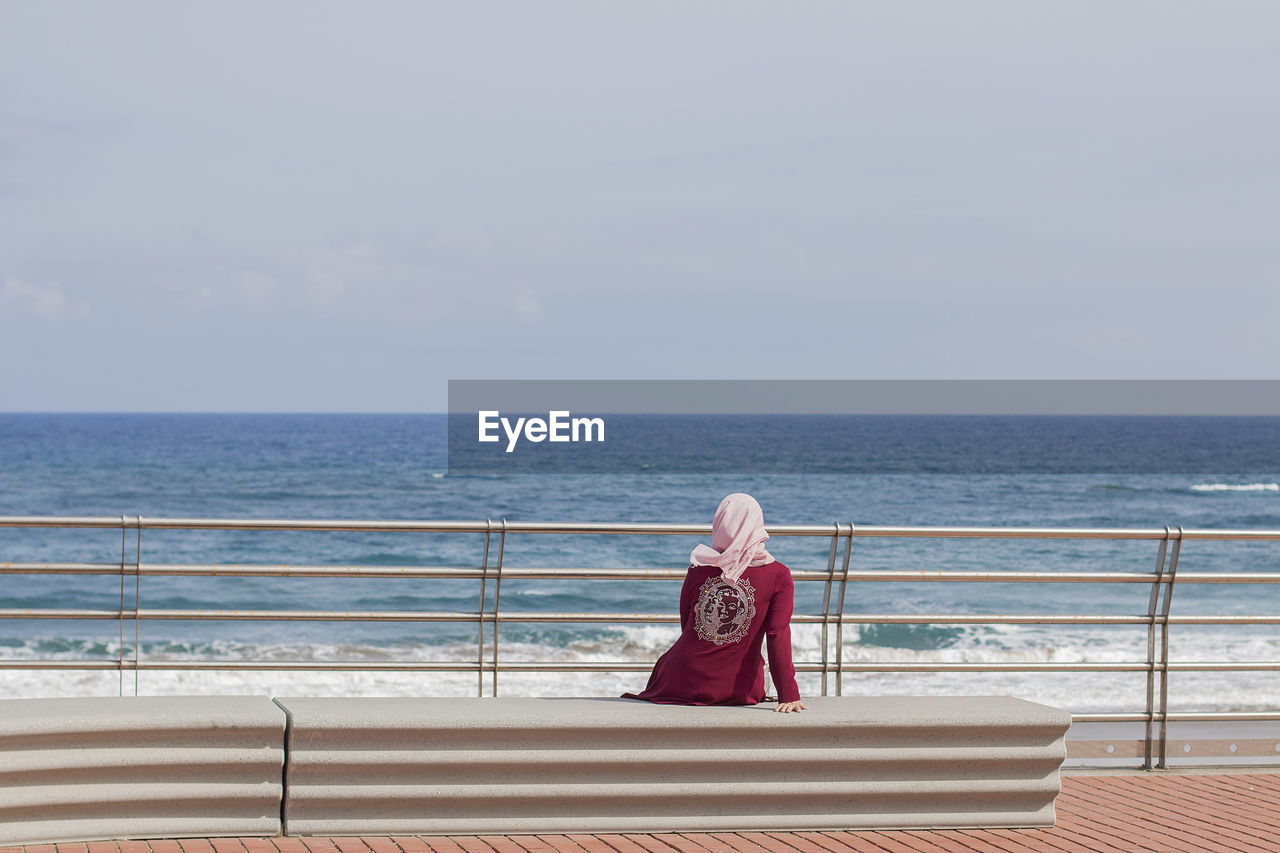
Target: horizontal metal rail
[(489, 616), (644, 529), (586, 573), (193, 615), (594, 573), (1183, 717), (548, 666), (629, 666)]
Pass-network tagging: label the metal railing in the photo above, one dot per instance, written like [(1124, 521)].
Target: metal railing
[(832, 618)]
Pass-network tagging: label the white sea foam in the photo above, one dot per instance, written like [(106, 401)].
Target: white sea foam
[(1080, 692), (643, 643), (1236, 487), (1014, 644)]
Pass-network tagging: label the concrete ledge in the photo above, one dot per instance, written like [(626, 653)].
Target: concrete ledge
[(81, 769), (422, 766)]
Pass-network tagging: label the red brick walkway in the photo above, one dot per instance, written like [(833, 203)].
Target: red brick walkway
[(1234, 813)]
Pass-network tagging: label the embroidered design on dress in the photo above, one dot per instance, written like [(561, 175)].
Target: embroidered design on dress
[(724, 612)]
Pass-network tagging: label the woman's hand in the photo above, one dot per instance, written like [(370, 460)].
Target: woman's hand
[(788, 707)]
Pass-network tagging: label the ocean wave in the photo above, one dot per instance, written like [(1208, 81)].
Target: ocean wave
[(1077, 691), (919, 637), (1236, 487), (644, 643)]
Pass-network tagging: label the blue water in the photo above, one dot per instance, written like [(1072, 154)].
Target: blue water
[(397, 467)]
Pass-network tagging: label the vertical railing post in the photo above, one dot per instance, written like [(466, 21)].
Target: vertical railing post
[(497, 594), (137, 606), (1164, 650), (124, 536), (826, 602), (1152, 605), (844, 583), (484, 577), (135, 570)]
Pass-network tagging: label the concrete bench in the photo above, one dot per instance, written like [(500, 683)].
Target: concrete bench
[(423, 766), (82, 769)]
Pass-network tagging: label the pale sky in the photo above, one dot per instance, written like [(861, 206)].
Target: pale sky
[(324, 206)]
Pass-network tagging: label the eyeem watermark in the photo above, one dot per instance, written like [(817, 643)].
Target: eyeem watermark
[(1228, 429), (559, 426)]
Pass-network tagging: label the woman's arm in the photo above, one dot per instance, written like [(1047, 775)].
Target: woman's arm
[(777, 628), (688, 593)]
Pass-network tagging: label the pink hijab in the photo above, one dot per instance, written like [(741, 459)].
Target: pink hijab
[(737, 538)]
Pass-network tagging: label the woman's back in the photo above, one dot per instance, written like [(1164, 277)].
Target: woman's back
[(717, 660)]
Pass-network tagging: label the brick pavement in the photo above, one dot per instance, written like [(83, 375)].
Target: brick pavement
[(1166, 813)]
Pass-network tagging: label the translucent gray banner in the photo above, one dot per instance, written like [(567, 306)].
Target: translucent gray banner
[(863, 426)]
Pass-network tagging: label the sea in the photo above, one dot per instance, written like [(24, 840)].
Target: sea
[(1141, 472)]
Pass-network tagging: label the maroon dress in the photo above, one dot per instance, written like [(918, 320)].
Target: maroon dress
[(717, 659)]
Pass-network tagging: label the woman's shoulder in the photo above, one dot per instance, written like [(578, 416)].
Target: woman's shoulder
[(776, 570), (697, 573)]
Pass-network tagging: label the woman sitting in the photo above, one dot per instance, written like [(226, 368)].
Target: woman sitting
[(735, 595)]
